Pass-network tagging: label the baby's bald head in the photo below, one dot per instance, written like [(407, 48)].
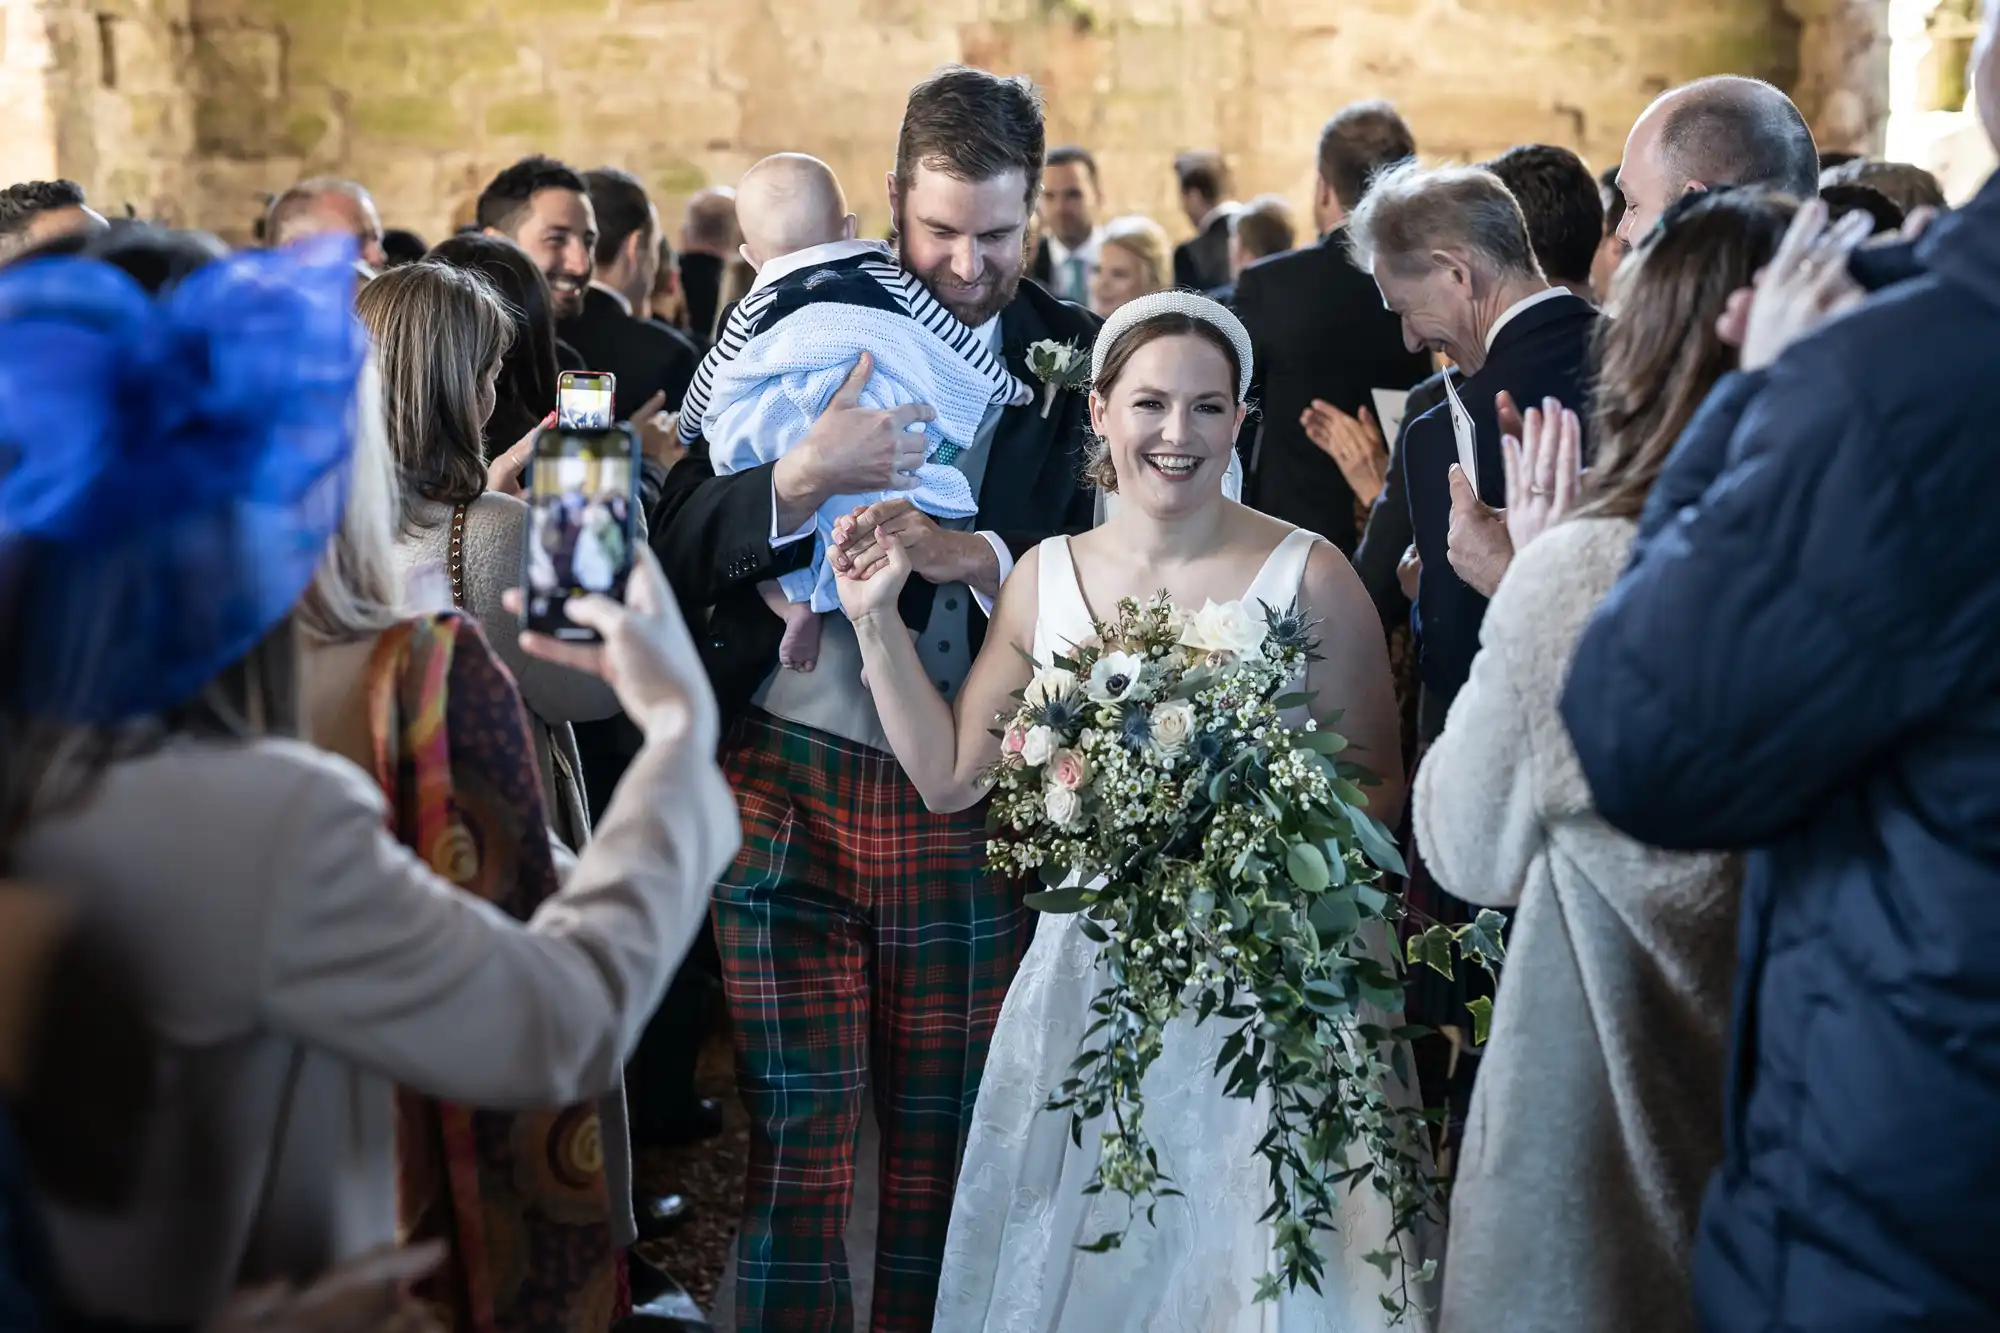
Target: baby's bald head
[(789, 202)]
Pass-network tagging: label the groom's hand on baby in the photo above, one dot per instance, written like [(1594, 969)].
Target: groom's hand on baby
[(938, 554), (853, 448)]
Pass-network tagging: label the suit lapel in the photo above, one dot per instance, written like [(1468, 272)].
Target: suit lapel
[(1020, 444)]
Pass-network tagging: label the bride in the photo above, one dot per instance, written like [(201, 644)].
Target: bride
[(1170, 374)]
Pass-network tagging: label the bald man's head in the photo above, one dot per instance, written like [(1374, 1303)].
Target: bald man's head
[(790, 202), (709, 225), (1724, 130)]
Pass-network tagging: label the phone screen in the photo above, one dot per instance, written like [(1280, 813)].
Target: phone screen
[(583, 520), (583, 400)]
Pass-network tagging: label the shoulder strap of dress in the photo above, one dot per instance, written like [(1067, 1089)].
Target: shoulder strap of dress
[(1060, 607), (1277, 583)]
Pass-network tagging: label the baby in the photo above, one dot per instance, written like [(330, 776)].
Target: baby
[(820, 300)]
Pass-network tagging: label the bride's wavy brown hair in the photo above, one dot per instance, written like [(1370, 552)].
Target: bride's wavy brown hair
[(1097, 466), (1661, 355)]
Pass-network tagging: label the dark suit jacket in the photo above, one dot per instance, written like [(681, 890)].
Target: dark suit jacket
[(1202, 264), (701, 280), (713, 534), (1319, 330), (647, 358), (1389, 533), (1042, 267), (1542, 352)]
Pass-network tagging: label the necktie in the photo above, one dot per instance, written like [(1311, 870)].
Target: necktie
[(1075, 288)]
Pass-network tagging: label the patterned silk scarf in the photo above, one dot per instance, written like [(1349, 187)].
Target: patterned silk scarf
[(519, 1197)]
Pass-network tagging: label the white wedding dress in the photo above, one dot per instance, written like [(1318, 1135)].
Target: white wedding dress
[(1011, 1261)]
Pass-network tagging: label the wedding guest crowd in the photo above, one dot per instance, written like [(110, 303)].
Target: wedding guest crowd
[(360, 914)]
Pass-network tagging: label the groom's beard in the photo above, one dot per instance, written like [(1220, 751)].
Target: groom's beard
[(971, 305)]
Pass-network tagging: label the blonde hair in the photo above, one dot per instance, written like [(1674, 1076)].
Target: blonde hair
[(1146, 241), (438, 330), (357, 590)]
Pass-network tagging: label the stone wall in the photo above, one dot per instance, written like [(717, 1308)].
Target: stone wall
[(214, 103)]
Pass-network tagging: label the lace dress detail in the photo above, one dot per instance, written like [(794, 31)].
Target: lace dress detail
[(1011, 1261)]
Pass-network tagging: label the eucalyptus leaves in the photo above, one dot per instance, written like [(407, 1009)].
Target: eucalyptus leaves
[(1226, 865)]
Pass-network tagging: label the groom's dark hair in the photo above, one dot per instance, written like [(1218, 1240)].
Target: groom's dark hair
[(972, 126)]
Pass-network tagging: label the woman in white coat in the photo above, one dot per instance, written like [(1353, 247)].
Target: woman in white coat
[(1597, 1116)]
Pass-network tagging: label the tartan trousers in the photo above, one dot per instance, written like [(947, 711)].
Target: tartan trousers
[(862, 943)]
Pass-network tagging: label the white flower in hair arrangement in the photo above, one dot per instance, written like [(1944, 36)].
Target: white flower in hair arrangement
[(1058, 366)]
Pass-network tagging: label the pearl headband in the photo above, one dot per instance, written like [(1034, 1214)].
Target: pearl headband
[(1194, 306)]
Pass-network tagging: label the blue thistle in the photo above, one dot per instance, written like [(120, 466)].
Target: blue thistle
[(1288, 630), (1207, 748), (1135, 726), (1061, 716)]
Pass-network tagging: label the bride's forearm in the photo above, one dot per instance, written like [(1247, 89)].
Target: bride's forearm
[(915, 717)]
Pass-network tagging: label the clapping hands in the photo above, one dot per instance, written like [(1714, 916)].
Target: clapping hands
[(1355, 445), (1544, 464)]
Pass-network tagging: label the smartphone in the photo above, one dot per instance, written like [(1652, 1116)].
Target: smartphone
[(583, 523), (583, 399)]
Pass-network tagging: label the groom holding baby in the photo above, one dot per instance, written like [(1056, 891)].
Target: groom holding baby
[(862, 941)]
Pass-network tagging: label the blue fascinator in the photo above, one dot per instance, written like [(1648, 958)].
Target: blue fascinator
[(172, 469)]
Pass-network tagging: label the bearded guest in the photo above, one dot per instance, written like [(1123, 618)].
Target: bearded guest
[(859, 932), (544, 207)]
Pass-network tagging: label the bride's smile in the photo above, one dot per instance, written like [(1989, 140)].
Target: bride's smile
[(1170, 421)]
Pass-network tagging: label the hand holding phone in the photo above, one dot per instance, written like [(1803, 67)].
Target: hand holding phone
[(583, 524), (584, 399)]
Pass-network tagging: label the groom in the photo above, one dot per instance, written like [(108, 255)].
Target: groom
[(862, 942)]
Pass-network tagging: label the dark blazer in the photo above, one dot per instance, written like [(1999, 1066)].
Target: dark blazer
[(1542, 352), (1319, 330), (713, 534), (1202, 264), (1803, 662), (1042, 267), (647, 358), (701, 280), (1388, 533)]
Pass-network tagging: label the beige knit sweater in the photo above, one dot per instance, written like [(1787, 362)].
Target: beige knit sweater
[(496, 534), (1597, 1116)]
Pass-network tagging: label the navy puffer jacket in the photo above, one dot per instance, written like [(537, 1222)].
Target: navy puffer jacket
[(1803, 662)]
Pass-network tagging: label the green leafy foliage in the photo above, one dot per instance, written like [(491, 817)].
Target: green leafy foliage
[(1225, 863)]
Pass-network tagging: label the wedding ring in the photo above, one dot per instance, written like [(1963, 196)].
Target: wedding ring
[(1539, 492)]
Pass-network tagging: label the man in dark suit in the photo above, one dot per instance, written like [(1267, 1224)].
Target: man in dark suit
[(1066, 251), (856, 927), (1564, 209), (1202, 264), (1260, 229), (1321, 332), (650, 361), (1450, 251), (709, 237)]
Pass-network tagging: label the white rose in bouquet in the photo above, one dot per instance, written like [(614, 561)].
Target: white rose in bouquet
[(1173, 724), (1225, 627), (1037, 746), (1063, 806), (1116, 678), (1048, 685)]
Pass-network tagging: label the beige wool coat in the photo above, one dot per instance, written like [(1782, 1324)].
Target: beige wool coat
[(299, 963), (1597, 1115)]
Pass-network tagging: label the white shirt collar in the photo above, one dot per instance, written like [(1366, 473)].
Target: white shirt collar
[(618, 296), (1525, 303), (1060, 254), (831, 252)]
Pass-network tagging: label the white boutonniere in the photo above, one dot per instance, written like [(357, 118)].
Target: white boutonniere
[(1058, 366)]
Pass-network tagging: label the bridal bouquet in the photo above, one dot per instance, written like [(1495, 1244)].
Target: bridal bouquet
[(1226, 864)]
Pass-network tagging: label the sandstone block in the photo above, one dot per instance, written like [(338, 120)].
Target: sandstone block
[(417, 120)]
